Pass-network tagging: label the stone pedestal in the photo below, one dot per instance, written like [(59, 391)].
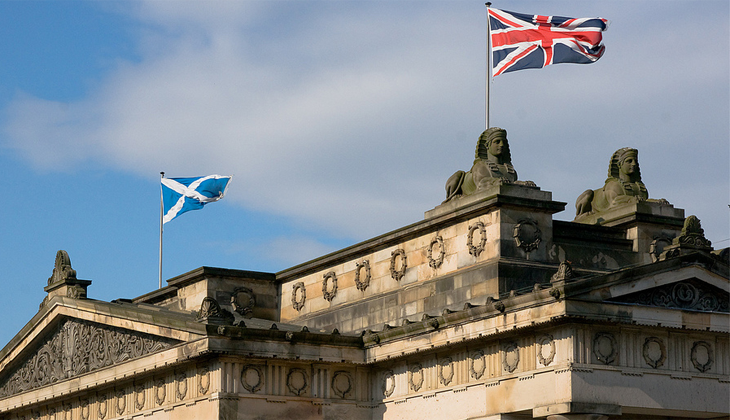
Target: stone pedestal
[(522, 214), (651, 225)]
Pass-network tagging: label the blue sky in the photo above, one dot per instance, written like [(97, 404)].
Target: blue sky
[(339, 121)]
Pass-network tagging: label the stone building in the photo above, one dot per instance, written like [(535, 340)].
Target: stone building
[(485, 309)]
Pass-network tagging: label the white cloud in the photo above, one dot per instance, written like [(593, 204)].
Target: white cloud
[(350, 118)]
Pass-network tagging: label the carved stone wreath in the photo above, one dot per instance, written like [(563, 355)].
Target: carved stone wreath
[(360, 283), (436, 262), (203, 380), (121, 403), (475, 250), (139, 397), (527, 235), (160, 392), (415, 377), (657, 246), (601, 339), (510, 363), (398, 274), (446, 370), (329, 294), (102, 409), (252, 378), (388, 383), (243, 300), (545, 340), (702, 367), (477, 365), (84, 409), (296, 303), (296, 381), (181, 386), (342, 383), (654, 362)]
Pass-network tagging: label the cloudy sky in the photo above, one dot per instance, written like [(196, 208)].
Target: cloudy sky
[(340, 120)]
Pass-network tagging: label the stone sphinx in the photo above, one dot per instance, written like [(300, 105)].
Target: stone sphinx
[(492, 166), (623, 186)]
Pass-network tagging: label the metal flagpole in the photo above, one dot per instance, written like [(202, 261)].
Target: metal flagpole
[(489, 66), (162, 175)]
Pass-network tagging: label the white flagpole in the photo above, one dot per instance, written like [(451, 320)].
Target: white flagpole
[(162, 175), (489, 66)]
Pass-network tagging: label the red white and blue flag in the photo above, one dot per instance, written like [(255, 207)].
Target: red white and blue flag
[(521, 41)]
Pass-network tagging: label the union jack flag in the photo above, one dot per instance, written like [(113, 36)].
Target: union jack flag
[(521, 41)]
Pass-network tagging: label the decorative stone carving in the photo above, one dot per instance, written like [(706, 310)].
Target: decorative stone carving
[(76, 292), (181, 386), (252, 378), (84, 409), (692, 239), (388, 383), (398, 274), (622, 186), (62, 270), (160, 391), (702, 356), (296, 381), (682, 295), (492, 166), (510, 357), (436, 262), (121, 403), (692, 234), (102, 408), (329, 294), (545, 349), (656, 248), (139, 397), (446, 370), (415, 377), (605, 347), (76, 347), (211, 313), (477, 364), (203, 380), (298, 303), (243, 300), (654, 352), (565, 272), (475, 250), (342, 383), (362, 283), (527, 235)]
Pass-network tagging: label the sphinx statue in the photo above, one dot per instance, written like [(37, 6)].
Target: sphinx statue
[(492, 166), (622, 186)]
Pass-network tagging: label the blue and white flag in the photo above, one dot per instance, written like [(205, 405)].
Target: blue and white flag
[(184, 194)]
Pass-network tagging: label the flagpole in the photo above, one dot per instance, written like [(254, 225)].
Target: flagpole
[(489, 67), (162, 175)]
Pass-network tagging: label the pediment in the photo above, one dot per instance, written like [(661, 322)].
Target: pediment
[(691, 294), (691, 287), (73, 347)]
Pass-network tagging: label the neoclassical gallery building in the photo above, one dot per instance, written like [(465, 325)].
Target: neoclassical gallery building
[(485, 309)]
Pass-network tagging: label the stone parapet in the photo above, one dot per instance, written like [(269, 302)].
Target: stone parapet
[(486, 245)]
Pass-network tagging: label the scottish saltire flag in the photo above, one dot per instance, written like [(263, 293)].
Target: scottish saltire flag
[(521, 41), (184, 194)]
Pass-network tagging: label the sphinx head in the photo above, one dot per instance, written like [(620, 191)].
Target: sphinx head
[(493, 143), (625, 165)]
